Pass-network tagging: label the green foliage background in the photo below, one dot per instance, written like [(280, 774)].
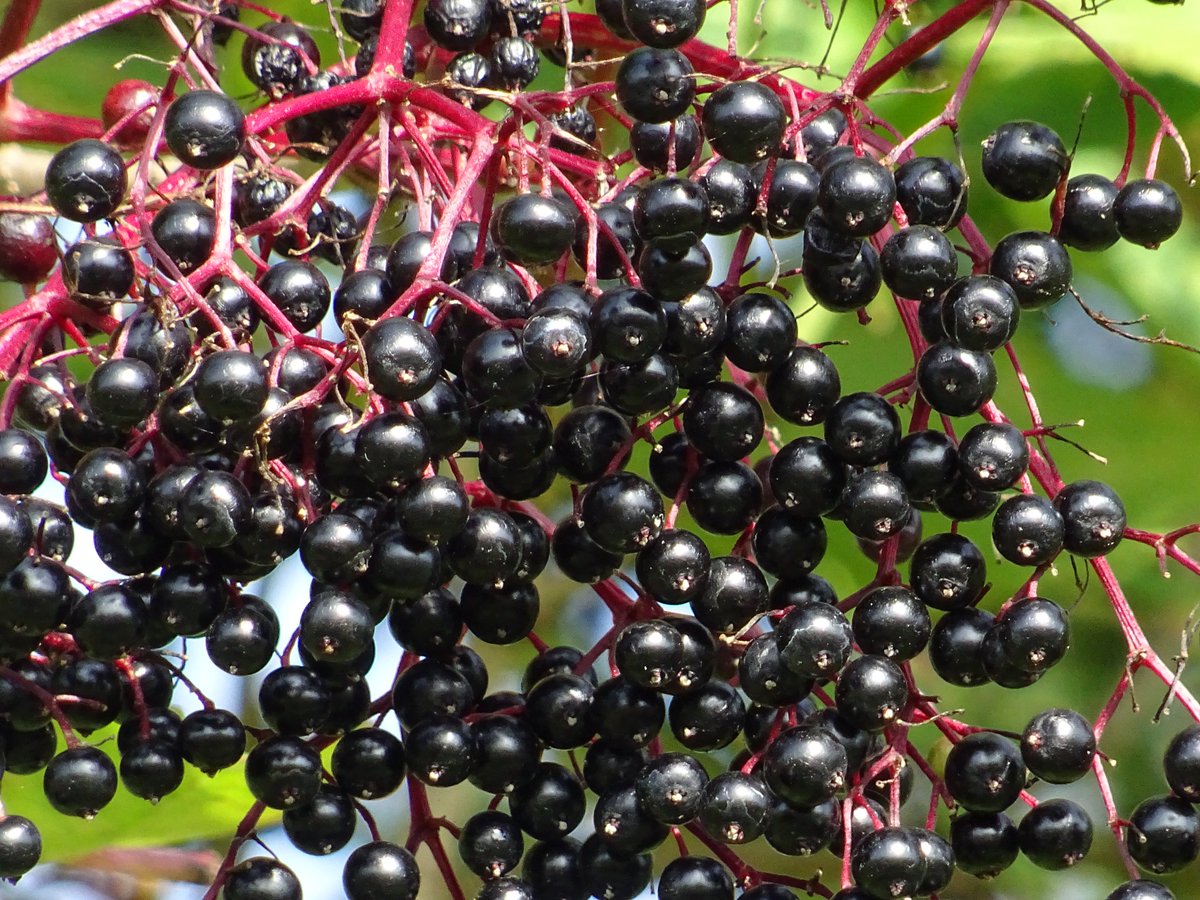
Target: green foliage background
[(1149, 434)]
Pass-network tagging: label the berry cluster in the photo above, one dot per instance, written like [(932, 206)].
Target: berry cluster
[(549, 311)]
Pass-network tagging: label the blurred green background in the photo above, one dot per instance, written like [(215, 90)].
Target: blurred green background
[(1139, 401)]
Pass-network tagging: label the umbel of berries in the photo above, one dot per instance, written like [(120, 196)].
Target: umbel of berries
[(498, 317)]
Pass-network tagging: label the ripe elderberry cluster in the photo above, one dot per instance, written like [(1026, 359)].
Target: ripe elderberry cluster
[(549, 307)]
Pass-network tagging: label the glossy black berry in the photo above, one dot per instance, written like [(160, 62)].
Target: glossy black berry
[(656, 145), (532, 229), (888, 862), (871, 692), (381, 868), (663, 23), (1093, 518), (984, 844), (985, 772), (815, 639), (955, 381), (857, 196), (1058, 746), (655, 85), (1028, 530), (805, 765), (98, 270), (21, 846), (735, 807), (80, 781), (1088, 219), (490, 844), (205, 129), (744, 121), (892, 622), (1163, 834), (732, 196), (1035, 265), (85, 180), (844, 286), (457, 24), (1056, 834), (261, 878), (723, 421), (1024, 160), (185, 230), (932, 191), (402, 358), (863, 429), (918, 262), (1141, 889), (979, 312), (1147, 212)]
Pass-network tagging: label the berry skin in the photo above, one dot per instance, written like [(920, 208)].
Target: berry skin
[(805, 766), (262, 878), (381, 869), (98, 270), (744, 121), (1093, 518), (490, 844), (663, 23), (871, 692), (732, 196), (1147, 212), (1181, 763), (532, 229), (653, 143), (876, 506), (1058, 746), (185, 230), (205, 129), (857, 196), (1056, 834), (993, 457), (984, 844), (985, 773), (655, 85), (1163, 834), (80, 782), (1088, 220), (735, 807), (277, 67), (723, 421), (457, 24), (1035, 265), (863, 429), (918, 262), (954, 381), (1027, 530), (888, 863), (979, 312), (515, 63), (695, 878), (21, 847), (1141, 889), (1024, 160), (932, 191), (85, 181), (402, 358), (28, 250), (891, 622)]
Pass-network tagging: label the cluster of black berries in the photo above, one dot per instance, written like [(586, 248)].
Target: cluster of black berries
[(213, 436)]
